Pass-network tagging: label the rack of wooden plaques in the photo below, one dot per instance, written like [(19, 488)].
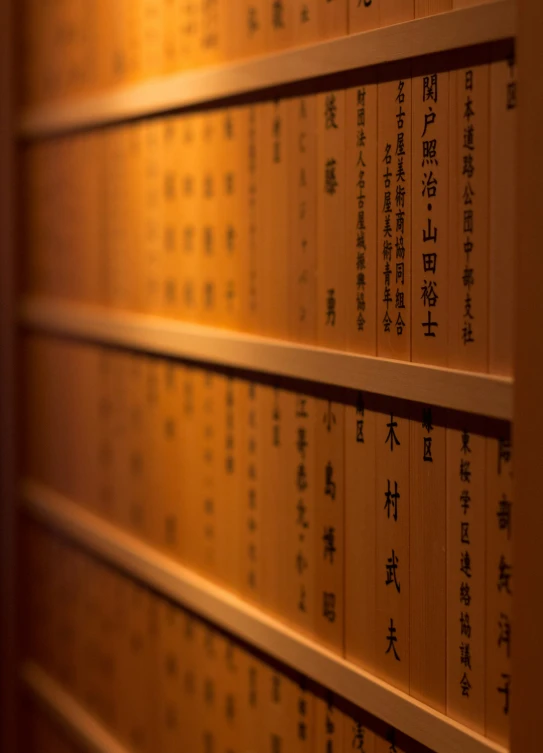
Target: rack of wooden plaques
[(267, 353)]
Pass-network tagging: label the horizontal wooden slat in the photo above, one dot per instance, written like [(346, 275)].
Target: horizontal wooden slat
[(82, 726), (483, 394), (461, 28), (252, 625)]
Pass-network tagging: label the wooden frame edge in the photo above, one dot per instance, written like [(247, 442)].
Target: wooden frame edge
[(8, 395), (68, 711), (527, 651), (483, 394), (252, 625)]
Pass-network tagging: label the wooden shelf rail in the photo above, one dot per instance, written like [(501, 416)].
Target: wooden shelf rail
[(482, 394), (447, 31), (81, 725), (252, 625)]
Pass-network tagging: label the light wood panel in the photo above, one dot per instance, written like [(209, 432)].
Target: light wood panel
[(463, 391), (447, 31), (84, 727), (250, 624)]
